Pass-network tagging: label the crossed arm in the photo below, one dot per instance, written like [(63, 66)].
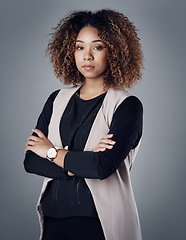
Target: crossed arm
[(40, 145), (99, 163)]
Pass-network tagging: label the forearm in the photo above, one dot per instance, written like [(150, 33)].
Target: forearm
[(59, 160), (43, 167), (36, 164), (81, 167), (96, 165)]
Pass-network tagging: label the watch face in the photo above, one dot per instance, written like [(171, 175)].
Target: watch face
[(52, 153)]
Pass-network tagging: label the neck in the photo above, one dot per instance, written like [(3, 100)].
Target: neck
[(92, 88), (93, 85)]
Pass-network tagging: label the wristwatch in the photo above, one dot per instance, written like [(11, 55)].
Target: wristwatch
[(52, 153)]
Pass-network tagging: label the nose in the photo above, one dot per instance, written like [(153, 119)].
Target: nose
[(88, 55)]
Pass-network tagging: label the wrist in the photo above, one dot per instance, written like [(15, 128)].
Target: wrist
[(52, 153), (59, 160)]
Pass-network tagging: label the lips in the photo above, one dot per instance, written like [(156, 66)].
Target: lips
[(88, 67)]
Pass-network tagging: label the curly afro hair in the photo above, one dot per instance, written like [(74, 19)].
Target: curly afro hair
[(125, 57)]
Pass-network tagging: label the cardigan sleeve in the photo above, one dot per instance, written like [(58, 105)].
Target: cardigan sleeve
[(36, 164), (126, 126)]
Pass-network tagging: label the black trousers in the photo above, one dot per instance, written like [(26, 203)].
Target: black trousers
[(73, 228)]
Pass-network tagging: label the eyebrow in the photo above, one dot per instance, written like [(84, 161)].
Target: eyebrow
[(92, 41)]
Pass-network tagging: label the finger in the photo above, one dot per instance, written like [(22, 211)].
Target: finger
[(30, 143), (28, 148), (38, 132), (103, 145), (99, 149), (107, 141), (109, 135), (33, 138)]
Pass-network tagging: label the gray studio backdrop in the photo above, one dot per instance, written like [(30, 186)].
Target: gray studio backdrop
[(27, 79)]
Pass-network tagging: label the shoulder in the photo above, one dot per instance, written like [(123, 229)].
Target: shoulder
[(50, 99), (128, 117), (53, 95), (131, 104), (132, 101), (61, 93)]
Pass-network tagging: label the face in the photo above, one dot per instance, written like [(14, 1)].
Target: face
[(90, 54)]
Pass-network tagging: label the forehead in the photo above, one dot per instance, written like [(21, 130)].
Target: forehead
[(88, 34)]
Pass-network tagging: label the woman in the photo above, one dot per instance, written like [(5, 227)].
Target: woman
[(87, 135)]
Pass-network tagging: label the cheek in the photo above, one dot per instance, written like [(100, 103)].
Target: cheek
[(105, 60), (104, 56)]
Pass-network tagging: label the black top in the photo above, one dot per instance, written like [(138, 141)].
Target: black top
[(70, 196)]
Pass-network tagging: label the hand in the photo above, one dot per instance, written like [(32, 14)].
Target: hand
[(105, 143), (39, 145)]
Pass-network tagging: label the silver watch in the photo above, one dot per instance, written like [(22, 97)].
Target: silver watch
[(52, 153)]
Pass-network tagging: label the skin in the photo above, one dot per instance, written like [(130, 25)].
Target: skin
[(90, 50), (91, 60)]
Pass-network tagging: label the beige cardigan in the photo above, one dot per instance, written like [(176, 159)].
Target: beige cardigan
[(113, 197)]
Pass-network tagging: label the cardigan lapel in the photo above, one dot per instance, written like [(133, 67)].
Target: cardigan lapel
[(59, 106)]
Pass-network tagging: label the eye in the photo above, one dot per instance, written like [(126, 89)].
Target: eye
[(79, 47), (98, 47)]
